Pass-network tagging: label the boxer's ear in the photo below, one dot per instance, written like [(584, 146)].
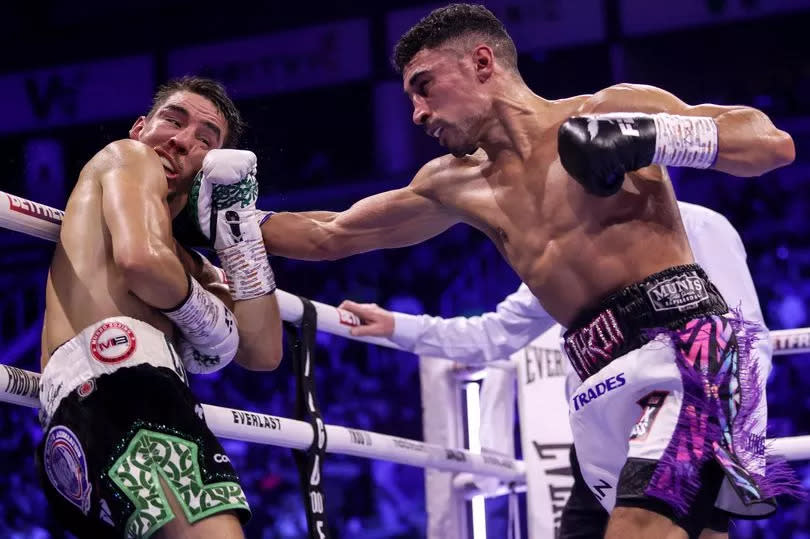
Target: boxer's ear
[(137, 127), (484, 62)]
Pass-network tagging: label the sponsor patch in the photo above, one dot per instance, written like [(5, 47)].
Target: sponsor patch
[(220, 458), (594, 344), (592, 393), (112, 342), (678, 292), (86, 388), (66, 466), (650, 405)]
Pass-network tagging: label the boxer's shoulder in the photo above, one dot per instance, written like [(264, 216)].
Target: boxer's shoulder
[(619, 96), (569, 106), (445, 172), (121, 153), (124, 149)]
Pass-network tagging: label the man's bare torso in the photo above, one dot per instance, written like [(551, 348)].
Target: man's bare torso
[(572, 249), (84, 284)]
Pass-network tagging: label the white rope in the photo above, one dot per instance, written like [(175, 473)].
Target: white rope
[(23, 215), (19, 386), (791, 447), (790, 341)]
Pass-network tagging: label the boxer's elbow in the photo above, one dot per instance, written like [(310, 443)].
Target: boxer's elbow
[(136, 262), (264, 359), (776, 150), (784, 150), (769, 151)]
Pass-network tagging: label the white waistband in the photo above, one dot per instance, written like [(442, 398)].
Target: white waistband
[(103, 348)]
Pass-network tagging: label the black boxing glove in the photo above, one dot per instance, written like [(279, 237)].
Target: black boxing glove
[(598, 150)]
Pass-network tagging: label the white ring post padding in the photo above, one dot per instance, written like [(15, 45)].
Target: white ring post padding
[(443, 424), (17, 386)]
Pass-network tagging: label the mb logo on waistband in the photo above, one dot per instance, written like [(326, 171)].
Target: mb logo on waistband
[(678, 292), (112, 342)]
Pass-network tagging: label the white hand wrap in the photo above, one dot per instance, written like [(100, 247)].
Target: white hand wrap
[(209, 329), (223, 199), (685, 141), (246, 265)]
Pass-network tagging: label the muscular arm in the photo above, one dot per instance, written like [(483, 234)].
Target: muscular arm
[(396, 218), (135, 210), (748, 142), (258, 319)]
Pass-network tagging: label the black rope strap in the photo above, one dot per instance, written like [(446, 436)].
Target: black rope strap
[(309, 461)]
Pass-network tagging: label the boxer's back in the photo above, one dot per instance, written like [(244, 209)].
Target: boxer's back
[(84, 283)]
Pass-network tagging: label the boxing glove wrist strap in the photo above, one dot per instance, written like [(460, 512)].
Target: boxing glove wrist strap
[(206, 322), (685, 141)]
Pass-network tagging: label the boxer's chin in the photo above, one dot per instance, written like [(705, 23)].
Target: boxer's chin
[(461, 151)]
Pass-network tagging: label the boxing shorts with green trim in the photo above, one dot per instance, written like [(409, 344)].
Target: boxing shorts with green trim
[(118, 417)]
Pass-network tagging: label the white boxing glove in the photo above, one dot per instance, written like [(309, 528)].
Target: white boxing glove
[(210, 336), (223, 203), (197, 362)]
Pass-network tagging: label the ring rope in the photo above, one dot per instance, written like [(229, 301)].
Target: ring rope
[(35, 219), (18, 386)]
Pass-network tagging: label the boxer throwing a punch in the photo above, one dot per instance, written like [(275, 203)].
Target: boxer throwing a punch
[(578, 201)]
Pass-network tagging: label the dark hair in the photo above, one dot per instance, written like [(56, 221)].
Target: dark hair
[(450, 22), (211, 90)]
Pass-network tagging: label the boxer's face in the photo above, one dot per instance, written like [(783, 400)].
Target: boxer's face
[(181, 131), (448, 97)]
